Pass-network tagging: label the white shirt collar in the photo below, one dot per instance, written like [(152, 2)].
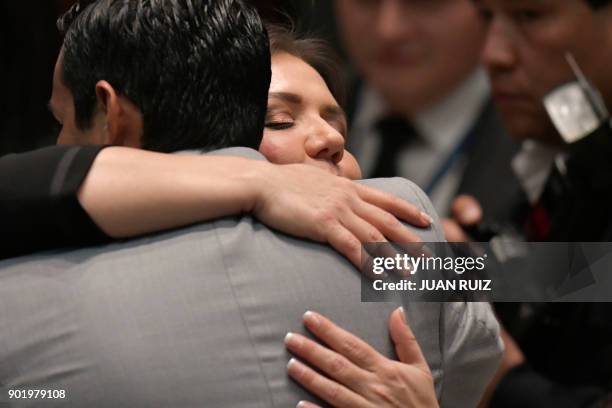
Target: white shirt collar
[(442, 125), (532, 166)]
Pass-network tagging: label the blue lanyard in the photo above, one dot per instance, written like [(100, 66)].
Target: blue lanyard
[(450, 161)]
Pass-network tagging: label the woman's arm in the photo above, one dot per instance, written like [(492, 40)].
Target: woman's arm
[(129, 192), (357, 375)]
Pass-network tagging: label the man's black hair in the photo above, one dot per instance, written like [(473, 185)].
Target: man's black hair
[(198, 70)]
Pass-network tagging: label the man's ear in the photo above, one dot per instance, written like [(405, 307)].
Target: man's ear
[(110, 107), (123, 122)]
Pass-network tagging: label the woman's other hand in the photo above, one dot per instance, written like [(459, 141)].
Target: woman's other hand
[(357, 376)]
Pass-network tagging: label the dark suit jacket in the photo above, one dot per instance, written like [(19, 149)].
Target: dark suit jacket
[(488, 175), (569, 345)]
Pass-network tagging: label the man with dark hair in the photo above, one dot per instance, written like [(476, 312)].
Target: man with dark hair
[(164, 75)]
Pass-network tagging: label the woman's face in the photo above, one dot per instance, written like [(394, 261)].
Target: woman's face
[(304, 123)]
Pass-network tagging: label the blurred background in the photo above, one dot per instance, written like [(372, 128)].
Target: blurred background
[(29, 44)]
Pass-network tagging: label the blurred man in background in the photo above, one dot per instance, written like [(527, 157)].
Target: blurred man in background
[(421, 109), (563, 354)]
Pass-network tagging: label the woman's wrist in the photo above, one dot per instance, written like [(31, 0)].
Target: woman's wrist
[(251, 178)]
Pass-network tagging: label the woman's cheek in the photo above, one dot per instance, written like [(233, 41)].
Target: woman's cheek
[(349, 167), (274, 149)]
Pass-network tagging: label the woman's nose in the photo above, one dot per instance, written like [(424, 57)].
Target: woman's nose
[(325, 143)]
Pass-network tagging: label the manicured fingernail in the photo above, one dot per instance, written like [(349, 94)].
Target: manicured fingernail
[(292, 340), (294, 365), (426, 217), (301, 404), (401, 309), (311, 318)]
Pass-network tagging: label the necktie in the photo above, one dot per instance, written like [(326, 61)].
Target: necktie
[(550, 209), (395, 134)]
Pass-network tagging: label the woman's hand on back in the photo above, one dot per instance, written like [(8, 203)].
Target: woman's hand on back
[(307, 202), (354, 374)]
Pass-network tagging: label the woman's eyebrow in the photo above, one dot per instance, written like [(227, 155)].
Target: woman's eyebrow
[(329, 110), (287, 97), (334, 110)]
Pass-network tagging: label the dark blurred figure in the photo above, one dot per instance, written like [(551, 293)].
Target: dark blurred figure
[(561, 354), (29, 44), (420, 105)]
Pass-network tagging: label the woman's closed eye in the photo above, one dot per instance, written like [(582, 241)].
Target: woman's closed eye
[(278, 125), (276, 120)]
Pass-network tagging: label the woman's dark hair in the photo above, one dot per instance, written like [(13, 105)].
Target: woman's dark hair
[(314, 51)]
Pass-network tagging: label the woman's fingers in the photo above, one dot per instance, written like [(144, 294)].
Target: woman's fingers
[(396, 206), (331, 209), (350, 346), (306, 404), (363, 233), (345, 242), (329, 362), (360, 377), (326, 389), (386, 223), (369, 224), (359, 225), (406, 345)]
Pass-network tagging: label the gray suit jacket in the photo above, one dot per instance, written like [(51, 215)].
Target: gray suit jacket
[(197, 317)]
